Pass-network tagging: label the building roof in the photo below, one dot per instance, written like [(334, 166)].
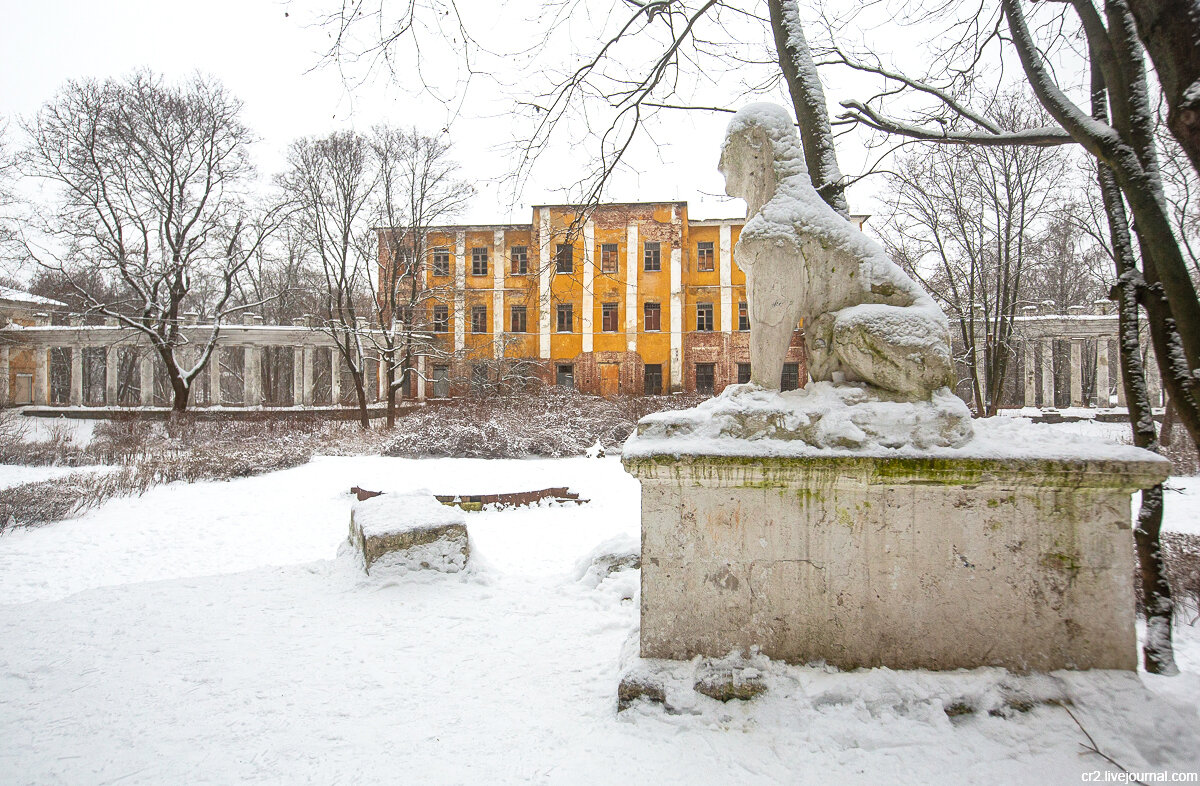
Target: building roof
[(17, 296)]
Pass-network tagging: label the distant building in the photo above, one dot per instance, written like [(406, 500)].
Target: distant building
[(28, 310), (635, 299)]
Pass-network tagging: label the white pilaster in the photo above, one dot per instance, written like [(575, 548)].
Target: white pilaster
[(1047, 372), (589, 262), (146, 378), (420, 377), (297, 376), (499, 264), (111, 366), (676, 311), (306, 385), (1077, 372), (251, 377), (1030, 374), (41, 376), (726, 268), (335, 378), (214, 377), (460, 290), (544, 274), (1102, 372), (5, 375), (76, 376), (633, 264)]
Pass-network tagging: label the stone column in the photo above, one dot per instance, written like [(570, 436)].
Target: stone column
[(306, 386), (335, 378), (41, 376), (1047, 372), (298, 359), (420, 378), (1102, 372), (251, 377), (1030, 374), (214, 378), (112, 364), (5, 374), (76, 376), (1077, 372), (146, 378)]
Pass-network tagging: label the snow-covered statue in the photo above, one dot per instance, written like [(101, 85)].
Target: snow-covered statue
[(865, 319)]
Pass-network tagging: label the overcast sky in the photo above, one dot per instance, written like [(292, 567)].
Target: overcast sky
[(268, 53)]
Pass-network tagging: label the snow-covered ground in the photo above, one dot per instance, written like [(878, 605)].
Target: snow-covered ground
[(207, 633)]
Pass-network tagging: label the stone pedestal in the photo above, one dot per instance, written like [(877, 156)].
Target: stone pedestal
[(909, 562)]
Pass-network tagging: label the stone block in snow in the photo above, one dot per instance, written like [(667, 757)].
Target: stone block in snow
[(409, 532)]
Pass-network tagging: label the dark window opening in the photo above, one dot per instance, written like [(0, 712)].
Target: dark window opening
[(608, 258), (441, 319), (652, 316), (565, 258), (566, 318), (743, 373), (790, 379), (520, 260), (743, 316), (705, 257), (517, 319), (652, 385), (608, 318), (705, 377), (704, 317), (441, 261), (479, 261), (565, 377), (652, 258), (479, 319)]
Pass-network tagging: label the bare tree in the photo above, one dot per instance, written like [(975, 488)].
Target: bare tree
[(329, 184), (418, 188), (964, 222), (149, 182)]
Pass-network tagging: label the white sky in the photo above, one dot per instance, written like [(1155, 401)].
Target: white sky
[(271, 61)]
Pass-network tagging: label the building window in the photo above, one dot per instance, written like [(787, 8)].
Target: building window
[(565, 378), (441, 261), (743, 316), (479, 261), (704, 317), (566, 318), (441, 319), (790, 379), (404, 315), (479, 378), (565, 258), (743, 373), (479, 319), (608, 258), (652, 316), (520, 260), (653, 258), (705, 257), (441, 381), (608, 318), (517, 319), (704, 377), (652, 385)]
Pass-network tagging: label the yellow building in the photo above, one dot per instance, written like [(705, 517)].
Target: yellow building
[(628, 298)]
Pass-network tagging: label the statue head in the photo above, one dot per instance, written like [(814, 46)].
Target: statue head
[(761, 150)]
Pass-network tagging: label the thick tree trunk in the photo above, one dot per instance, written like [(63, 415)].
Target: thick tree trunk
[(1170, 30), (808, 100)]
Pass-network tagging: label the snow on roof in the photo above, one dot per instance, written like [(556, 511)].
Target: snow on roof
[(17, 296)]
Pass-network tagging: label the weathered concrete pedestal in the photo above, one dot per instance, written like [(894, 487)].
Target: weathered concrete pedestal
[(946, 562)]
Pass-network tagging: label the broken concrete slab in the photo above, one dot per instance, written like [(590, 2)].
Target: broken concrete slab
[(409, 532)]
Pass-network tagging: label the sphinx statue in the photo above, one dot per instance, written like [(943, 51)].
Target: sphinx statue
[(865, 320)]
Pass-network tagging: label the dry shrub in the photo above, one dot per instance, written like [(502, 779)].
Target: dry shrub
[(1181, 553), (551, 422)]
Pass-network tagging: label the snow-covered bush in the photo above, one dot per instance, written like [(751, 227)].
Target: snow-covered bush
[(551, 422)]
